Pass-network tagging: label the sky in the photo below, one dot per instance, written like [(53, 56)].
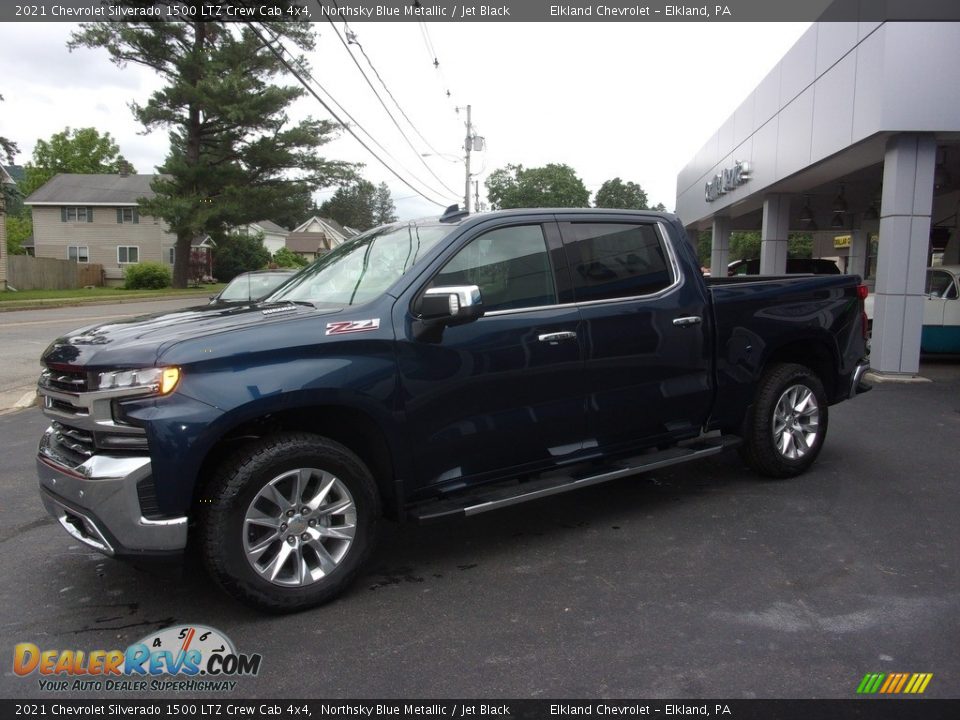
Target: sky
[(628, 100)]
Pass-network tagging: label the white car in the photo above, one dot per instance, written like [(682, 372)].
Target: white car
[(941, 311)]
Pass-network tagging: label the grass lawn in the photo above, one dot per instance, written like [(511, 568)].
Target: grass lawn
[(103, 293)]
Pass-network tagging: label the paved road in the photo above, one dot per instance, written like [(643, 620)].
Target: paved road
[(25, 333), (695, 581)]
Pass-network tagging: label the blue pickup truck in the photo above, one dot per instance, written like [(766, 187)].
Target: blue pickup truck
[(427, 370)]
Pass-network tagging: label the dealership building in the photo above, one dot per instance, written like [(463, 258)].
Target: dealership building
[(854, 138)]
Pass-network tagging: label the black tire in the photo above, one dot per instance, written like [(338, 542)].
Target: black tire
[(760, 449), (224, 530)]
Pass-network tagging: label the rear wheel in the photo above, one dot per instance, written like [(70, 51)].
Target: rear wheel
[(785, 428), (287, 523)]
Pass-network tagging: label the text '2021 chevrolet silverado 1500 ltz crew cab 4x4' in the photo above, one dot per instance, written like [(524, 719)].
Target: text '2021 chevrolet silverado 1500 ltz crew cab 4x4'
[(426, 370)]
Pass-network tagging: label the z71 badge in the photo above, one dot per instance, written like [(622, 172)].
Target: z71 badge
[(352, 326)]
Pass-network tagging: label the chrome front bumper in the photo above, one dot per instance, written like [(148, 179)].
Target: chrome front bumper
[(97, 503)]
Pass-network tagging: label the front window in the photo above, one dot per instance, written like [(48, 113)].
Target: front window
[(252, 286), (509, 265), (360, 269), (75, 214), (128, 254)]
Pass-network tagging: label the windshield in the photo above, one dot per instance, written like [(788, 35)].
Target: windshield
[(252, 287), (362, 268)]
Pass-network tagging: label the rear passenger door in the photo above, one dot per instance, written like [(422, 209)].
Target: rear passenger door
[(644, 332)]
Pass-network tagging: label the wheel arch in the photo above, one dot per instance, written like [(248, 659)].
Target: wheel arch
[(815, 353), (353, 427)]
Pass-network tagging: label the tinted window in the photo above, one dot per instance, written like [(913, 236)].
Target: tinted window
[(509, 265), (616, 260)]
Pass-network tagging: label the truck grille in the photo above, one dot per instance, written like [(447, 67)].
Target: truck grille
[(74, 382), (79, 441)]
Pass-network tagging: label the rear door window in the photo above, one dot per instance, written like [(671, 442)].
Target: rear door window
[(615, 260)]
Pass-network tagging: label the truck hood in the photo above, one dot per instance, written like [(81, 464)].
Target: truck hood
[(137, 342)]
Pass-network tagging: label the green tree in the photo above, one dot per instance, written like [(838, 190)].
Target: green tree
[(8, 148), (19, 228), (234, 156), (618, 194), (288, 259), (553, 185), (239, 253), (353, 205), (659, 207), (384, 211), (744, 245), (83, 150)]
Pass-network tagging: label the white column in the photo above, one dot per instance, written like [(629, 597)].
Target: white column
[(902, 256), (773, 236), (720, 247)]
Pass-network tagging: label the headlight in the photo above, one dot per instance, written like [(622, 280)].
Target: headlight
[(161, 380)]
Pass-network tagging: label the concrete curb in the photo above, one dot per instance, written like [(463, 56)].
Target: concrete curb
[(902, 378), (29, 399)]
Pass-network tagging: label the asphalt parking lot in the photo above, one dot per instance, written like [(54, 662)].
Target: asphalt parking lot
[(695, 581)]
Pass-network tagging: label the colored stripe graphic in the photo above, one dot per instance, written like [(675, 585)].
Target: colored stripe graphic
[(894, 683), (870, 683)]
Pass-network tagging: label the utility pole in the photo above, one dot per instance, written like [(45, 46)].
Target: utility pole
[(476, 195), (467, 146)]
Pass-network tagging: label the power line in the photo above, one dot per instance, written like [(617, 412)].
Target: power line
[(345, 126), (356, 42), (347, 113), (380, 99)]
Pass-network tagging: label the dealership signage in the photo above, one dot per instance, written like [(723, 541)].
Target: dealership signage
[(729, 179)]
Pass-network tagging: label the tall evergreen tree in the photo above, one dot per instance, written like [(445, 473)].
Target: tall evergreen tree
[(384, 210), (353, 206), (234, 156)]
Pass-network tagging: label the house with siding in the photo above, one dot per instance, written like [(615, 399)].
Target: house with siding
[(317, 236), (96, 219), (274, 236)]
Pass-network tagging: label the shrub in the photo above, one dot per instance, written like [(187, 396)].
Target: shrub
[(288, 259), (147, 276), (238, 253)]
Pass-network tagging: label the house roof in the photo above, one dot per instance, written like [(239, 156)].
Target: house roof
[(308, 242), (270, 226), (334, 229), (5, 177), (70, 188)]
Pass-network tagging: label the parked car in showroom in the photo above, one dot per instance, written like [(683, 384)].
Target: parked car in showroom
[(941, 310), (252, 286)]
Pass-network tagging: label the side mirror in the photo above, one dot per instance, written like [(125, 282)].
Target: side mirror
[(441, 307)]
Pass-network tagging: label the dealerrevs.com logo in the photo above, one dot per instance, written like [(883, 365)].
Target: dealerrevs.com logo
[(199, 657)]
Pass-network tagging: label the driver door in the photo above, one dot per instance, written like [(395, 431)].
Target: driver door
[(504, 393)]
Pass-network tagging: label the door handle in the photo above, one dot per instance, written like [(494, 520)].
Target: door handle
[(689, 320), (557, 337)]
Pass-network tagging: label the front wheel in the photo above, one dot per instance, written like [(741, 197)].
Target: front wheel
[(785, 428), (287, 523)]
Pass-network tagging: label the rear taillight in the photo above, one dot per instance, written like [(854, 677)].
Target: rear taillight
[(862, 292)]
